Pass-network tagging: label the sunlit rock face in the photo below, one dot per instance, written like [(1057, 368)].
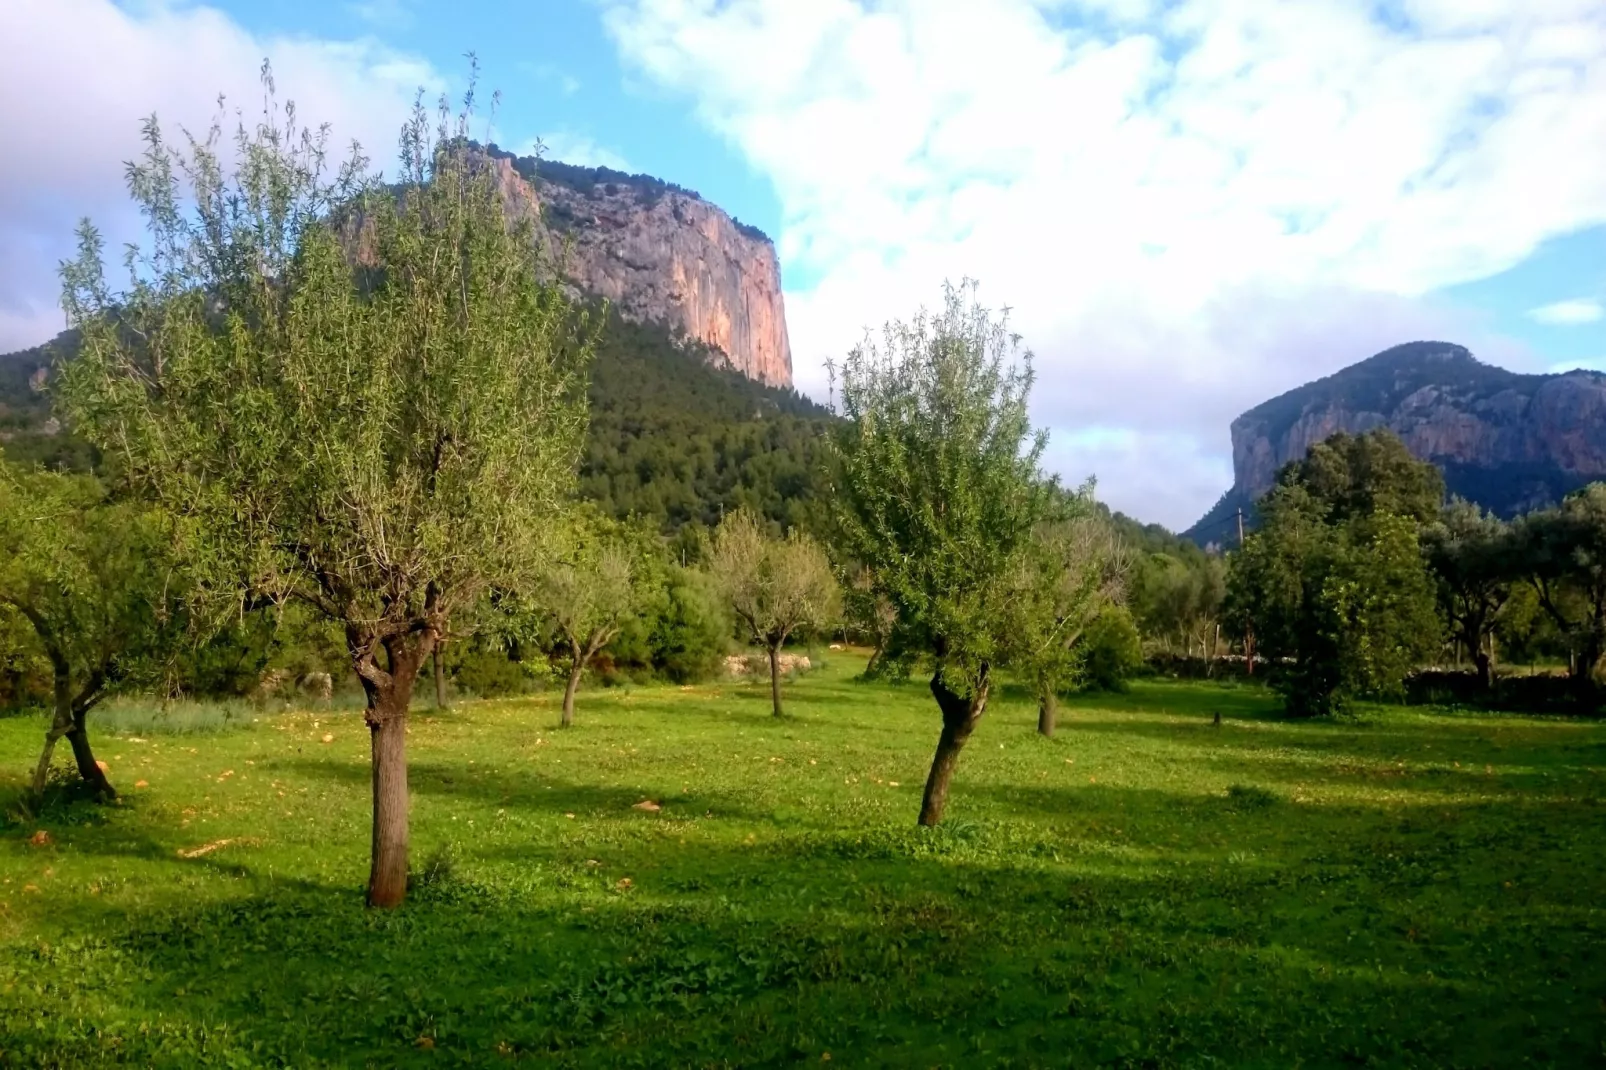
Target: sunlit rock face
[(665, 255)]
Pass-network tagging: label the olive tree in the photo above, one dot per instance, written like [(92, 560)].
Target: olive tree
[(939, 492), (1470, 554), (89, 577), (364, 396), (774, 586)]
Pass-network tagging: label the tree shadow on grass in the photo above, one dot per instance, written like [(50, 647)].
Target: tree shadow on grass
[(936, 951)]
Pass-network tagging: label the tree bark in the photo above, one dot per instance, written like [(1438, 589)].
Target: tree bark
[(389, 696), (70, 720), (959, 717), (88, 768), (440, 680), (775, 679), (1485, 669), (60, 725), (1047, 711), (576, 667)]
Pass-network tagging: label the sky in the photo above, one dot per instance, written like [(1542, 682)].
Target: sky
[(1188, 206)]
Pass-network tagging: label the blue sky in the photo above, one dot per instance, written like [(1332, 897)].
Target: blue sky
[(1189, 205), (559, 75)]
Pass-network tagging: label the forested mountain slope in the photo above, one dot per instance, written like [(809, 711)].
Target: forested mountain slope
[(674, 438)]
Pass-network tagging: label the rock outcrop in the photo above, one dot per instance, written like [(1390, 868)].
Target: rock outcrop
[(662, 254), (1509, 442)]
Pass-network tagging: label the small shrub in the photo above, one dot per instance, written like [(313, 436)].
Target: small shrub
[(1112, 652)]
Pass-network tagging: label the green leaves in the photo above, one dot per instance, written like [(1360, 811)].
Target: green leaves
[(939, 489), (358, 395)]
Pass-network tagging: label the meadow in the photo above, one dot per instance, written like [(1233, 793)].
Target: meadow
[(683, 880)]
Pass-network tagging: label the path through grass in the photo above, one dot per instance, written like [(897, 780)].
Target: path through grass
[(1416, 889)]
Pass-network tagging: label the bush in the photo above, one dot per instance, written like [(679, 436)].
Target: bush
[(1112, 651), (690, 632), (490, 674)]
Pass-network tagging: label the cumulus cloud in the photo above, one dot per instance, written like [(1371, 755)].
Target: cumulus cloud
[(1569, 313), (80, 75), (1192, 206)]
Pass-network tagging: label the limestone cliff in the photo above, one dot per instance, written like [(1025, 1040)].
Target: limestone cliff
[(1507, 441), (662, 254)]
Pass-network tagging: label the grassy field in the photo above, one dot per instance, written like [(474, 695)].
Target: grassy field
[(1405, 889)]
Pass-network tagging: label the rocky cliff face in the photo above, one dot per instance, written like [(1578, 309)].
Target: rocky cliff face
[(1507, 441), (662, 254)]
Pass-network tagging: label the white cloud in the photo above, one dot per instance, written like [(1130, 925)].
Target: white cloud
[(567, 146), (1192, 206), (1569, 313), (78, 77)]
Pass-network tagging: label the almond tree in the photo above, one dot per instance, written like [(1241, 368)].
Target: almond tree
[(939, 493), (1074, 569), (361, 396), (89, 578), (589, 593), (775, 586)]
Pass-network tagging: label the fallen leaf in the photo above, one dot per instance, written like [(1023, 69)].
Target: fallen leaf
[(625, 882), (568, 815), (427, 1043), (328, 737), (102, 766), (142, 783), (40, 839), (892, 783), (647, 805)]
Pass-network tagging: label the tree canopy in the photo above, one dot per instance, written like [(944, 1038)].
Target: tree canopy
[(363, 396)]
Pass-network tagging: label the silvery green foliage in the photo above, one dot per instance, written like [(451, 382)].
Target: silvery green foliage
[(359, 393)]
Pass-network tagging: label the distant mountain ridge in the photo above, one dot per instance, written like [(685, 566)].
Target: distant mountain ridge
[(1508, 441)]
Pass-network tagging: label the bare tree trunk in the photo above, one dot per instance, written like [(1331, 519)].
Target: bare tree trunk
[(1047, 711), (440, 680), (1485, 669), (88, 768), (775, 679), (387, 727), (959, 717), (70, 721), (60, 725), (576, 667)]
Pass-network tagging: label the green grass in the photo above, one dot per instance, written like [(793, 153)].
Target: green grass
[(1408, 888)]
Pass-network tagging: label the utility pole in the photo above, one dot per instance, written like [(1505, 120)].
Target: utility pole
[(1249, 630)]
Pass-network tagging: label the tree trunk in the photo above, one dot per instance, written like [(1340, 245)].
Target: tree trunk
[(60, 725), (1485, 669), (440, 680), (88, 768), (1047, 711), (959, 718), (388, 702), (576, 667), (70, 721), (775, 679)]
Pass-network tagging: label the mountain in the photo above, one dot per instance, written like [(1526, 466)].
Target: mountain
[(1507, 441), (660, 254), (677, 436)]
